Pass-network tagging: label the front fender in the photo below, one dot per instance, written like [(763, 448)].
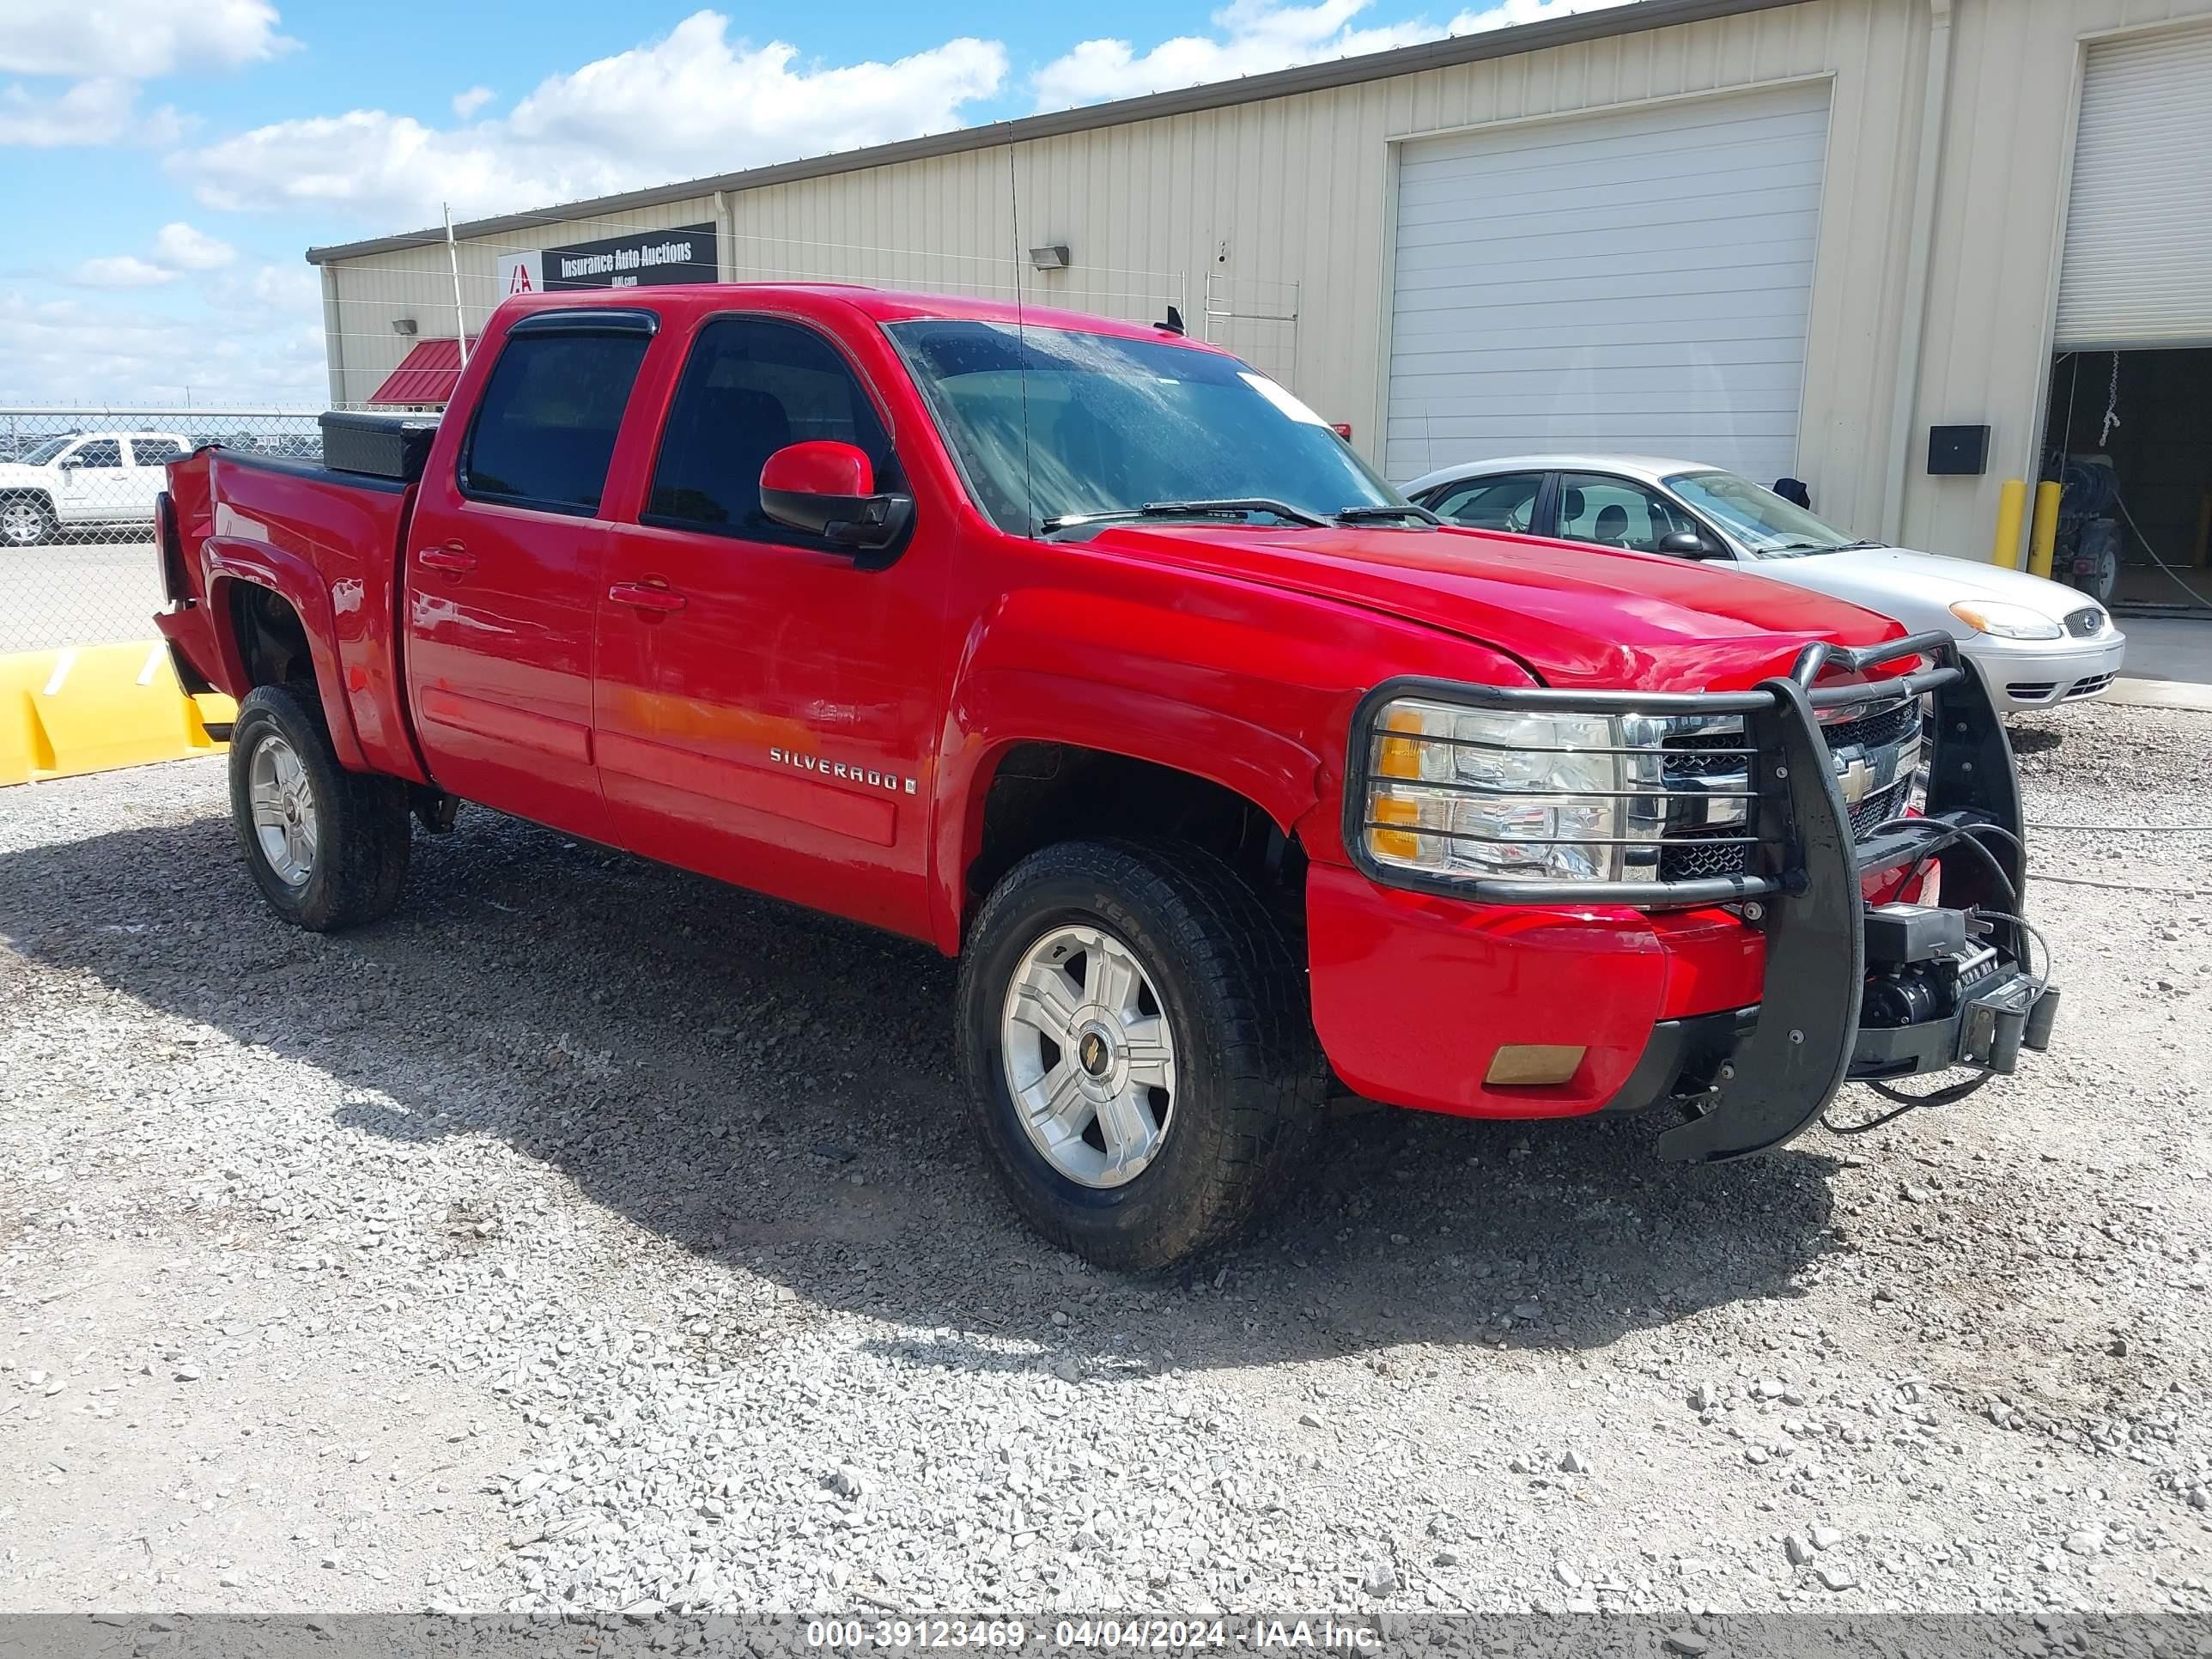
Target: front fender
[(227, 559), (1248, 686), (995, 709)]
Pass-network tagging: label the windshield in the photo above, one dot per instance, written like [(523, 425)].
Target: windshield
[(1114, 425), (46, 452), (1767, 526)]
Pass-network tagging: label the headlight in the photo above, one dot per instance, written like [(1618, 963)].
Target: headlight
[(2007, 621), (1488, 794)]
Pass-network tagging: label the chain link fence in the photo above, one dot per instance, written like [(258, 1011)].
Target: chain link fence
[(77, 485), (77, 488)]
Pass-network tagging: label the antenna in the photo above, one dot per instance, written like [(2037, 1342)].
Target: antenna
[(454, 265)]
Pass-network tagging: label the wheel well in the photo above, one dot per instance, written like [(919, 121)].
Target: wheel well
[(1045, 792), (272, 643)]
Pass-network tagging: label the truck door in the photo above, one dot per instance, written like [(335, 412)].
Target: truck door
[(505, 563), (93, 482), (766, 709)]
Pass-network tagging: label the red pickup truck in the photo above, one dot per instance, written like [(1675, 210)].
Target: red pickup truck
[(1082, 651)]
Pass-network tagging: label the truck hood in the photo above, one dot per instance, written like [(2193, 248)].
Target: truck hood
[(1918, 589), (1576, 615), (26, 477)]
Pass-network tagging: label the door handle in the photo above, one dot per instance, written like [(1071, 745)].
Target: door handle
[(452, 556), (647, 596)]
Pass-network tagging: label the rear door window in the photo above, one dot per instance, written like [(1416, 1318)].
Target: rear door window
[(1611, 512), (154, 451), (545, 429)]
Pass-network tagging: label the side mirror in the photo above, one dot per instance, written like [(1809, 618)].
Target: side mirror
[(828, 490), (1689, 545), (71, 465)]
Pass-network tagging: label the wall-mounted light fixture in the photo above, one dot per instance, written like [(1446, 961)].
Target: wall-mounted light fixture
[(402, 325), (1049, 259)]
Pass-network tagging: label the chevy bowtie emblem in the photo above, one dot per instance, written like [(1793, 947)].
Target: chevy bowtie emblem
[(1856, 778)]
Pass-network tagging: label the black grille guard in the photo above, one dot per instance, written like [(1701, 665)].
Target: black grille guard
[(1804, 866)]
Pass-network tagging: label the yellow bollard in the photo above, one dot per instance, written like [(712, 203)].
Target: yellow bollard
[(2043, 534), (2012, 504)]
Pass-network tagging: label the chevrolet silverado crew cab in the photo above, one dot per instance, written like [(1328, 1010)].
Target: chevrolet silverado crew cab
[(1080, 650)]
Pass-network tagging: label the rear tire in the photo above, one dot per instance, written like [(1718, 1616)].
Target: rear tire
[(327, 847), (1216, 1017), (26, 521)]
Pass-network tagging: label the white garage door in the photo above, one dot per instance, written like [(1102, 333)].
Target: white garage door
[(2138, 265), (1634, 281)]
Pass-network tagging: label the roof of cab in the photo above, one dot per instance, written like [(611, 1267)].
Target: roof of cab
[(876, 305)]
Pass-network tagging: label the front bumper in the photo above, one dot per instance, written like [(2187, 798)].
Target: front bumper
[(2026, 674), (1741, 1000)]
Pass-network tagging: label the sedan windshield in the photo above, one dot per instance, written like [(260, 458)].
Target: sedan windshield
[(42, 453), (1767, 526), (1062, 428)]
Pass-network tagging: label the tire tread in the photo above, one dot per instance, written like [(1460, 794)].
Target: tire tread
[(1250, 989), (369, 831)]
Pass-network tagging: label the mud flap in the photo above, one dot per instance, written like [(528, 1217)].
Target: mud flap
[(1784, 1073)]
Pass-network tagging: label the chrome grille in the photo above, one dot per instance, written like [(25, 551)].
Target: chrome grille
[(1703, 840)]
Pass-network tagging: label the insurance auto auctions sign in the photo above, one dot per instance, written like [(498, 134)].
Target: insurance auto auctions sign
[(642, 259)]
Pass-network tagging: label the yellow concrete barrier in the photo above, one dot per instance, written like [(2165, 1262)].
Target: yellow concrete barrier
[(94, 708)]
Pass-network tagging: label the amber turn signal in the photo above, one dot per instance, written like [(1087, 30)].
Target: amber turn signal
[(1527, 1064)]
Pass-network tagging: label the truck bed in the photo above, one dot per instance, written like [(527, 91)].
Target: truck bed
[(329, 543)]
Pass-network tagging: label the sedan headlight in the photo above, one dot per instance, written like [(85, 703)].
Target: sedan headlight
[(1476, 794), (2005, 620)]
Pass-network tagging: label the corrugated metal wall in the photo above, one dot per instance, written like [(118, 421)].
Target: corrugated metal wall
[(368, 295), (2001, 207), (1285, 205)]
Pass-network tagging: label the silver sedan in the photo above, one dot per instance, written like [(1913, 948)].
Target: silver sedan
[(2037, 642)]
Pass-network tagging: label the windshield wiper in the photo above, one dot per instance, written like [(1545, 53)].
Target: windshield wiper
[(1381, 514), (1227, 508)]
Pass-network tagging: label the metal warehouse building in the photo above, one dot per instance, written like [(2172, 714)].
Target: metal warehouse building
[(1792, 238)]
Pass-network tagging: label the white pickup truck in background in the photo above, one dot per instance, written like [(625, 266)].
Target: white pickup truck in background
[(82, 481)]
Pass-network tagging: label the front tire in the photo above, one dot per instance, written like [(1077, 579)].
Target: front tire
[(26, 521), (1140, 1063), (327, 847)]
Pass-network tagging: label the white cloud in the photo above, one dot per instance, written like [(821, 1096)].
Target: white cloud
[(103, 51), (466, 104), (137, 349), (122, 271), (1252, 37), (1510, 14), (182, 248), (96, 111), (136, 40), (605, 127)]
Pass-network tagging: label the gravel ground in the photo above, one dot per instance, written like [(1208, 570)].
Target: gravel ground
[(588, 1236)]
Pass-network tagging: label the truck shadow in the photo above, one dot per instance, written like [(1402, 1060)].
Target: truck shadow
[(772, 1089)]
